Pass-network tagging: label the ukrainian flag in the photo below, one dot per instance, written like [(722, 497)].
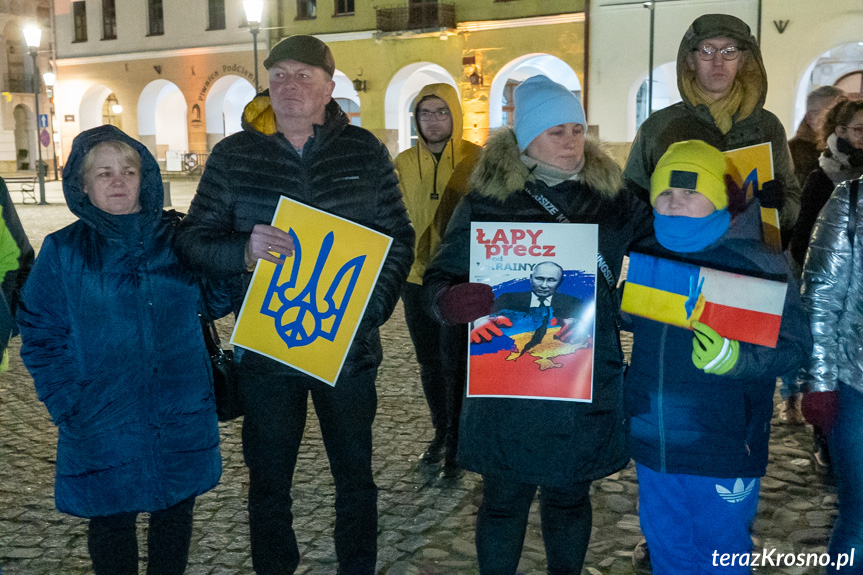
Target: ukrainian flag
[(738, 307)]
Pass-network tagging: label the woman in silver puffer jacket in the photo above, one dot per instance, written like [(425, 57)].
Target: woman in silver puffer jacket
[(833, 383)]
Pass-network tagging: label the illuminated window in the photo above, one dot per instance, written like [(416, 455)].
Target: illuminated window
[(79, 11), (157, 20), (216, 12), (109, 20), (351, 108), (306, 9)]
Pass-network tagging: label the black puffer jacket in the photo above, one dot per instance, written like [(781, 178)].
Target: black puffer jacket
[(344, 170), (542, 442)]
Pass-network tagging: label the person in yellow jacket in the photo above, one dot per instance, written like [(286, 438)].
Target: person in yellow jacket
[(16, 258), (439, 161)]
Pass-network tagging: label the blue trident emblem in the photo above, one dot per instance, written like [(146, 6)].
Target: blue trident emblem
[(302, 319)]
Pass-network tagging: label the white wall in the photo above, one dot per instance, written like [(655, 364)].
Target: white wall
[(185, 26), (619, 53), (619, 61), (813, 28)]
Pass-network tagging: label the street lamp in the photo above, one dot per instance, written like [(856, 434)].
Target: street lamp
[(50, 79), (650, 5), (33, 37), (254, 10)]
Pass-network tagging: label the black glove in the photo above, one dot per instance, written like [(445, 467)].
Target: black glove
[(771, 194)]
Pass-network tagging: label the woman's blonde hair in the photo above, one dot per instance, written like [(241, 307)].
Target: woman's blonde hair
[(127, 152)]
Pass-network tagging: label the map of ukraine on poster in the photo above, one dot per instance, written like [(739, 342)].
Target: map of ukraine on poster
[(538, 342), (755, 166), (305, 311)]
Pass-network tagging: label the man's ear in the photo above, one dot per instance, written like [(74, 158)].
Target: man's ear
[(690, 61)]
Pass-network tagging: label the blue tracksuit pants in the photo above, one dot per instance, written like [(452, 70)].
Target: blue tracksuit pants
[(695, 525)]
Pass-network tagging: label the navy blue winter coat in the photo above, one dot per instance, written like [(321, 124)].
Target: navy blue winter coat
[(111, 336), (682, 420), (535, 441)]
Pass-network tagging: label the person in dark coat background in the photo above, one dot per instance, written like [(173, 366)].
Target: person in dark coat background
[(841, 140), (841, 159), (111, 334), (805, 146), (519, 444)]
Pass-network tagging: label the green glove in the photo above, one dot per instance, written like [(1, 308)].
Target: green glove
[(712, 352)]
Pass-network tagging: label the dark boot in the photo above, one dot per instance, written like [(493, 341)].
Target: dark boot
[(435, 449), (450, 468), (820, 452), (641, 557)]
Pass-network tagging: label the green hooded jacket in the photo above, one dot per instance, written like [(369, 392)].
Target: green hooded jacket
[(685, 121)]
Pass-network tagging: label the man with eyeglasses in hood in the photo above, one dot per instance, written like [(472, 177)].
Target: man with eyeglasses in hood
[(433, 176), (723, 83)]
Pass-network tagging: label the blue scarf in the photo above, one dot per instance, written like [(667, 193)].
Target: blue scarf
[(685, 234)]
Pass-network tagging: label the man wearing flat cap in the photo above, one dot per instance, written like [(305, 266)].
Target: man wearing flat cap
[(297, 143), (723, 83)]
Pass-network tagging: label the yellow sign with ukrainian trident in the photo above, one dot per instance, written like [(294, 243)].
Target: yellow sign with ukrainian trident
[(305, 311), (754, 165)]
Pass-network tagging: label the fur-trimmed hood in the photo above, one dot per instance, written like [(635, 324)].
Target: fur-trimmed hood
[(500, 171)]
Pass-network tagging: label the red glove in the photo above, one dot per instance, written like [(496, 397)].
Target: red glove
[(487, 330), (820, 409), (463, 303)]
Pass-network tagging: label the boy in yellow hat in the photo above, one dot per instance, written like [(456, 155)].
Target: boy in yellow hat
[(699, 404)]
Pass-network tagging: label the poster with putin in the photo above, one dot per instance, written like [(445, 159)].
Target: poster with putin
[(538, 341)]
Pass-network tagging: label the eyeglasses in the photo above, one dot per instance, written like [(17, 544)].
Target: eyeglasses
[(708, 53), (856, 130), (440, 115)]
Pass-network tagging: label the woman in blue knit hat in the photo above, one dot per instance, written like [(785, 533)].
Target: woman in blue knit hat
[(519, 445), (699, 404)]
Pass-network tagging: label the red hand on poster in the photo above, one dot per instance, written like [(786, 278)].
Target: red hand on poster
[(488, 329)]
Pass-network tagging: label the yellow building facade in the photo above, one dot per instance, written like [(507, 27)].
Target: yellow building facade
[(183, 90), (483, 48)]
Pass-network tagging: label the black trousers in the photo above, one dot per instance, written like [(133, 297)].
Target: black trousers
[(113, 544), (441, 352), (425, 332), (275, 399), (566, 518)]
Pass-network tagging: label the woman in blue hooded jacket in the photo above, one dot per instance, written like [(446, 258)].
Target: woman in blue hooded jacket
[(110, 333)]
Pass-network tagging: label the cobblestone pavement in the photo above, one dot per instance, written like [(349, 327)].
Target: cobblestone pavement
[(426, 523)]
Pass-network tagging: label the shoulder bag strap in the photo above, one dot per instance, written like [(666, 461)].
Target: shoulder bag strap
[(561, 218)]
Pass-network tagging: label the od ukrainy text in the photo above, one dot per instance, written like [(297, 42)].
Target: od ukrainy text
[(513, 242)]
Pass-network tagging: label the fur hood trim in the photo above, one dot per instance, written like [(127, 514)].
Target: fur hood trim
[(500, 171)]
